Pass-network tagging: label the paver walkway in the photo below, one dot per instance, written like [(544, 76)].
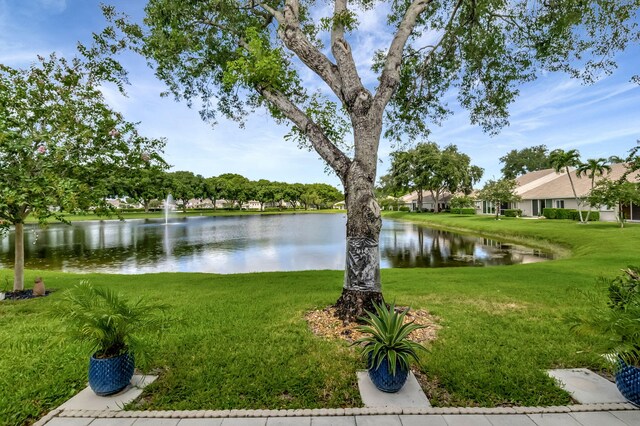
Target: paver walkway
[(614, 414)]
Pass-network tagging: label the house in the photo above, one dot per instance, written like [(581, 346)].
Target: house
[(428, 202), (547, 189)]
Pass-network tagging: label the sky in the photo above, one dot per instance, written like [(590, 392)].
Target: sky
[(599, 120)]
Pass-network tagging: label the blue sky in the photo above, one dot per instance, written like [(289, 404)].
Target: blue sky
[(599, 120)]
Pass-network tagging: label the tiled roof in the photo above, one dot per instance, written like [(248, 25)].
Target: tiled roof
[(547, 184)]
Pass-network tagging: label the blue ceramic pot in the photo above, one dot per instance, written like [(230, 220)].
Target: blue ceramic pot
[(382, 378), (628, 381), (110, 375)]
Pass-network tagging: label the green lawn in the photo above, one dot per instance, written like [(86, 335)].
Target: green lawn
[(240, 341)]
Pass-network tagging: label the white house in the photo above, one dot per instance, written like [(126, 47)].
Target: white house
[(547, 189)]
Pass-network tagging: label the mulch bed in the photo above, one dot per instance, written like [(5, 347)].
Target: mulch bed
[(325, 323), (23, 294)]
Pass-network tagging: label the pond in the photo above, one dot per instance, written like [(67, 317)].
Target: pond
[(251, 243)]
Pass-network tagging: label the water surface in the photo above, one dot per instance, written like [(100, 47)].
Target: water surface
[(251, 243)]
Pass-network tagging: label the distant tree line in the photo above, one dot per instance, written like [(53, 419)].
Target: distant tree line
[(429, 168), (151, 185)]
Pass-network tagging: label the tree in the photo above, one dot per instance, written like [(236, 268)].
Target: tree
[(615, 194), (462, 202), (292, 193), (264, 192), (185, 185), (60, 145), (518, 162), (235, 188), (499, 192), (427, 168), (561, 162), (246, 55), (213, 189), (593, 168), (624, 191)]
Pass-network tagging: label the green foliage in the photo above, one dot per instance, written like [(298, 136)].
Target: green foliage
[(569, 214), (404, 209), (62, 148), (498, 192), (615, 194), (388, 338), (616, 322), (462, 201), (519, 162), (463, 211), (429, 168), (106, 321), (593, 216), (512, 213)]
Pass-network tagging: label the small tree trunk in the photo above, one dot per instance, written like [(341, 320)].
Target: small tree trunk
[(420, 200), (18, 279), (146, 206)]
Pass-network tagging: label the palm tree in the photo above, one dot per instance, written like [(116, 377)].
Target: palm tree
[(561, 161), (593, 168)]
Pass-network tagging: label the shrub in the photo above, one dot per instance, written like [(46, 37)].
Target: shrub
[(617, 320), (404, 209), (565, 213), (550, 213), (593, 216), (512, 213), (463, 211)]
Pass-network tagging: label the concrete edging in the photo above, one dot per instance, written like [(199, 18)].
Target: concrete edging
[(326, 412)]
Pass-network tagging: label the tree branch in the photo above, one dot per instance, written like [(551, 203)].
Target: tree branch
[(390, 76), (329, 152), (352, 87), (291, 34)]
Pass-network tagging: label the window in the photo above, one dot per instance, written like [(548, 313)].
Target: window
[(559, 204)]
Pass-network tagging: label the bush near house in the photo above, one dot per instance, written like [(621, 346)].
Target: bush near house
[(404, 209), (512, 213), (570, 214), (463, 211)]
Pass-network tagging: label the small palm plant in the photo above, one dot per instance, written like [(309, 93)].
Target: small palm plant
[(107, 321), (388, 339), (618, 320)]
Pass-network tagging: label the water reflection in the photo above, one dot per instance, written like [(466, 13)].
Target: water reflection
[(245, 244), (406, 245)]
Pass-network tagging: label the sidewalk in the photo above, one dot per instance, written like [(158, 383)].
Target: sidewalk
[(614, 414)]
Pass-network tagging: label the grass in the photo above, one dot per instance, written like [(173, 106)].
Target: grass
[(240, 341)]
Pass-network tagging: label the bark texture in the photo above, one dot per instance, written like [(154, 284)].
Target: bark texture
[(18, 278)]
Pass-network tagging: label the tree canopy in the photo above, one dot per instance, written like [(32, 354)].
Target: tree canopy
[(60, 145), (232, 57), (429, 168), (519, 162)]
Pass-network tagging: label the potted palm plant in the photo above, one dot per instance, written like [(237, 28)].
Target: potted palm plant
[(386, 347), (108, 323), (617, 321)]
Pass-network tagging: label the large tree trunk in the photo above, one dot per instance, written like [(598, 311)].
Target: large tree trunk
[(18, 280), (362, 270)]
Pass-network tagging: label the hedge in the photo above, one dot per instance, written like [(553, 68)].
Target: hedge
[(512, 213), (465, 210), (570, 214)]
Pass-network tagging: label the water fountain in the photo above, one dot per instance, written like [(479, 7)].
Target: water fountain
[(167, 205)]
